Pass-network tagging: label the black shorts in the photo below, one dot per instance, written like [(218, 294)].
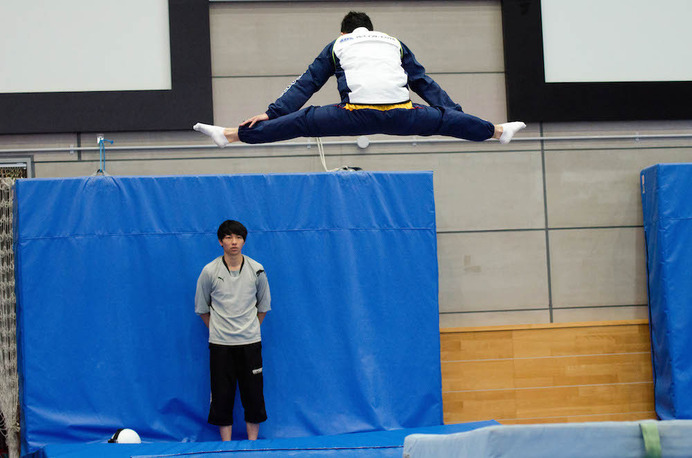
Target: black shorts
[(229, 364)]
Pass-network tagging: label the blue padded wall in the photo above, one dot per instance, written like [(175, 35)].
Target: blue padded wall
[(667, 206), (107, 334)]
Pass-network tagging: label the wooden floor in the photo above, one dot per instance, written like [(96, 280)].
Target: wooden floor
[(555, 373)]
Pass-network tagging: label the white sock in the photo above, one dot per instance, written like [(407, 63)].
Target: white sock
[(215, 132), (509, 129)]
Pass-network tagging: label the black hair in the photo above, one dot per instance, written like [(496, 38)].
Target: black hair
[(355, 19), (230, 227)]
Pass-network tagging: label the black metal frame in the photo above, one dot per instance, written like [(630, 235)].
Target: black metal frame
[(189, 100), (530, 98)]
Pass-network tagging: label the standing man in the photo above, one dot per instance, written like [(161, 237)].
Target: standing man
[(374, 72), (232, 299)]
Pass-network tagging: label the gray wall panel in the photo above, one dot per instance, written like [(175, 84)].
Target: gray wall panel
[(492, 271), (257, 39), (64, 169), (475, 191), (601, 187), (597, 267)]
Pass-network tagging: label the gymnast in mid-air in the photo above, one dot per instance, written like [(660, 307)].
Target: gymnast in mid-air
[(374, 72)]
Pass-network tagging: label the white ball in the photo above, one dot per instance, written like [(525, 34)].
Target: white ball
[(126, 436)]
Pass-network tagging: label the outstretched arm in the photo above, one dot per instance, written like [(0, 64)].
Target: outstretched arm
[(295, 96), (300, 90), (422, 84)]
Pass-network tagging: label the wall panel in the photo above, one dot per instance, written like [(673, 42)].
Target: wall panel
[(600, 187), (597, 267), (492, 271), (283, 38)]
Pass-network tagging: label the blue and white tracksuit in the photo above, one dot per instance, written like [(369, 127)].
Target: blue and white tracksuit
[(374, 73)]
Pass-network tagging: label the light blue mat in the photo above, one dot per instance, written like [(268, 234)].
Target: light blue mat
[(648, 439)]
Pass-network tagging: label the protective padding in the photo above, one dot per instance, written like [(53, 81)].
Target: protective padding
[(583, 440), (107, 334), (667, 205), (380, 444)]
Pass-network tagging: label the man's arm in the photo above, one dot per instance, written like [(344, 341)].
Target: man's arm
[(203, 297), (422, 84), (263, 296), (295, 96)]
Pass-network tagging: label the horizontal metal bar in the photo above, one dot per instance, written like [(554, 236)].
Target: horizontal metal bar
[(311, 144)]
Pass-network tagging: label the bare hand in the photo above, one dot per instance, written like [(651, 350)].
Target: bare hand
[(255, 119)]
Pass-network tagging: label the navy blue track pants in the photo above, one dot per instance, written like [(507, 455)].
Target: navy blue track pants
[(334, 121)]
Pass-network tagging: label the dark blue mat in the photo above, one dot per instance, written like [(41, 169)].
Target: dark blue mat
[(363, 445)]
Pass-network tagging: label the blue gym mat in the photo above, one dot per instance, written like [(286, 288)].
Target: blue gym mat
[(381, 444), (667, 205), (108, 338)]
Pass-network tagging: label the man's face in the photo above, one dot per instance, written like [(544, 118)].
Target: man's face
[(232, 244)]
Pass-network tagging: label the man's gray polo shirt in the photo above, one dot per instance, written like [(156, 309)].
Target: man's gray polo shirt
[(233, 299)]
